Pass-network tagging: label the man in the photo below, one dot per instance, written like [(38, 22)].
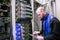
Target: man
[(50, 26)]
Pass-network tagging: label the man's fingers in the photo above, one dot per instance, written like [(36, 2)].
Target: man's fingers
[(36, 32)]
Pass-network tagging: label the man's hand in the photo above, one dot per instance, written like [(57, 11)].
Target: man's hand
[(36, 32), (40, 37)]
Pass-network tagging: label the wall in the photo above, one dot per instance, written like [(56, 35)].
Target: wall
[(58, 9)]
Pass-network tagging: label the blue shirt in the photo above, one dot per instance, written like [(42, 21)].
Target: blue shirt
[(46, 24)]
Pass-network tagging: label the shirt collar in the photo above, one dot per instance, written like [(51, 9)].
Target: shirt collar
[(45, 17)]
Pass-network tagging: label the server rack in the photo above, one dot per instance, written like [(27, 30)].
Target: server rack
[(5, 20), (23, 17)]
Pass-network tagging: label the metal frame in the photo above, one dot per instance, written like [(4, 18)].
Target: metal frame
[(13, 19)]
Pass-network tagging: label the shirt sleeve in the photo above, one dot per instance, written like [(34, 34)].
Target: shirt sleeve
[(55, 24)]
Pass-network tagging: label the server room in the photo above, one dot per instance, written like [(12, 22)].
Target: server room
[(29, 20)]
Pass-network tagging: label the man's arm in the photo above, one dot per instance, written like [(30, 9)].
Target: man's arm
[(56, 30)]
